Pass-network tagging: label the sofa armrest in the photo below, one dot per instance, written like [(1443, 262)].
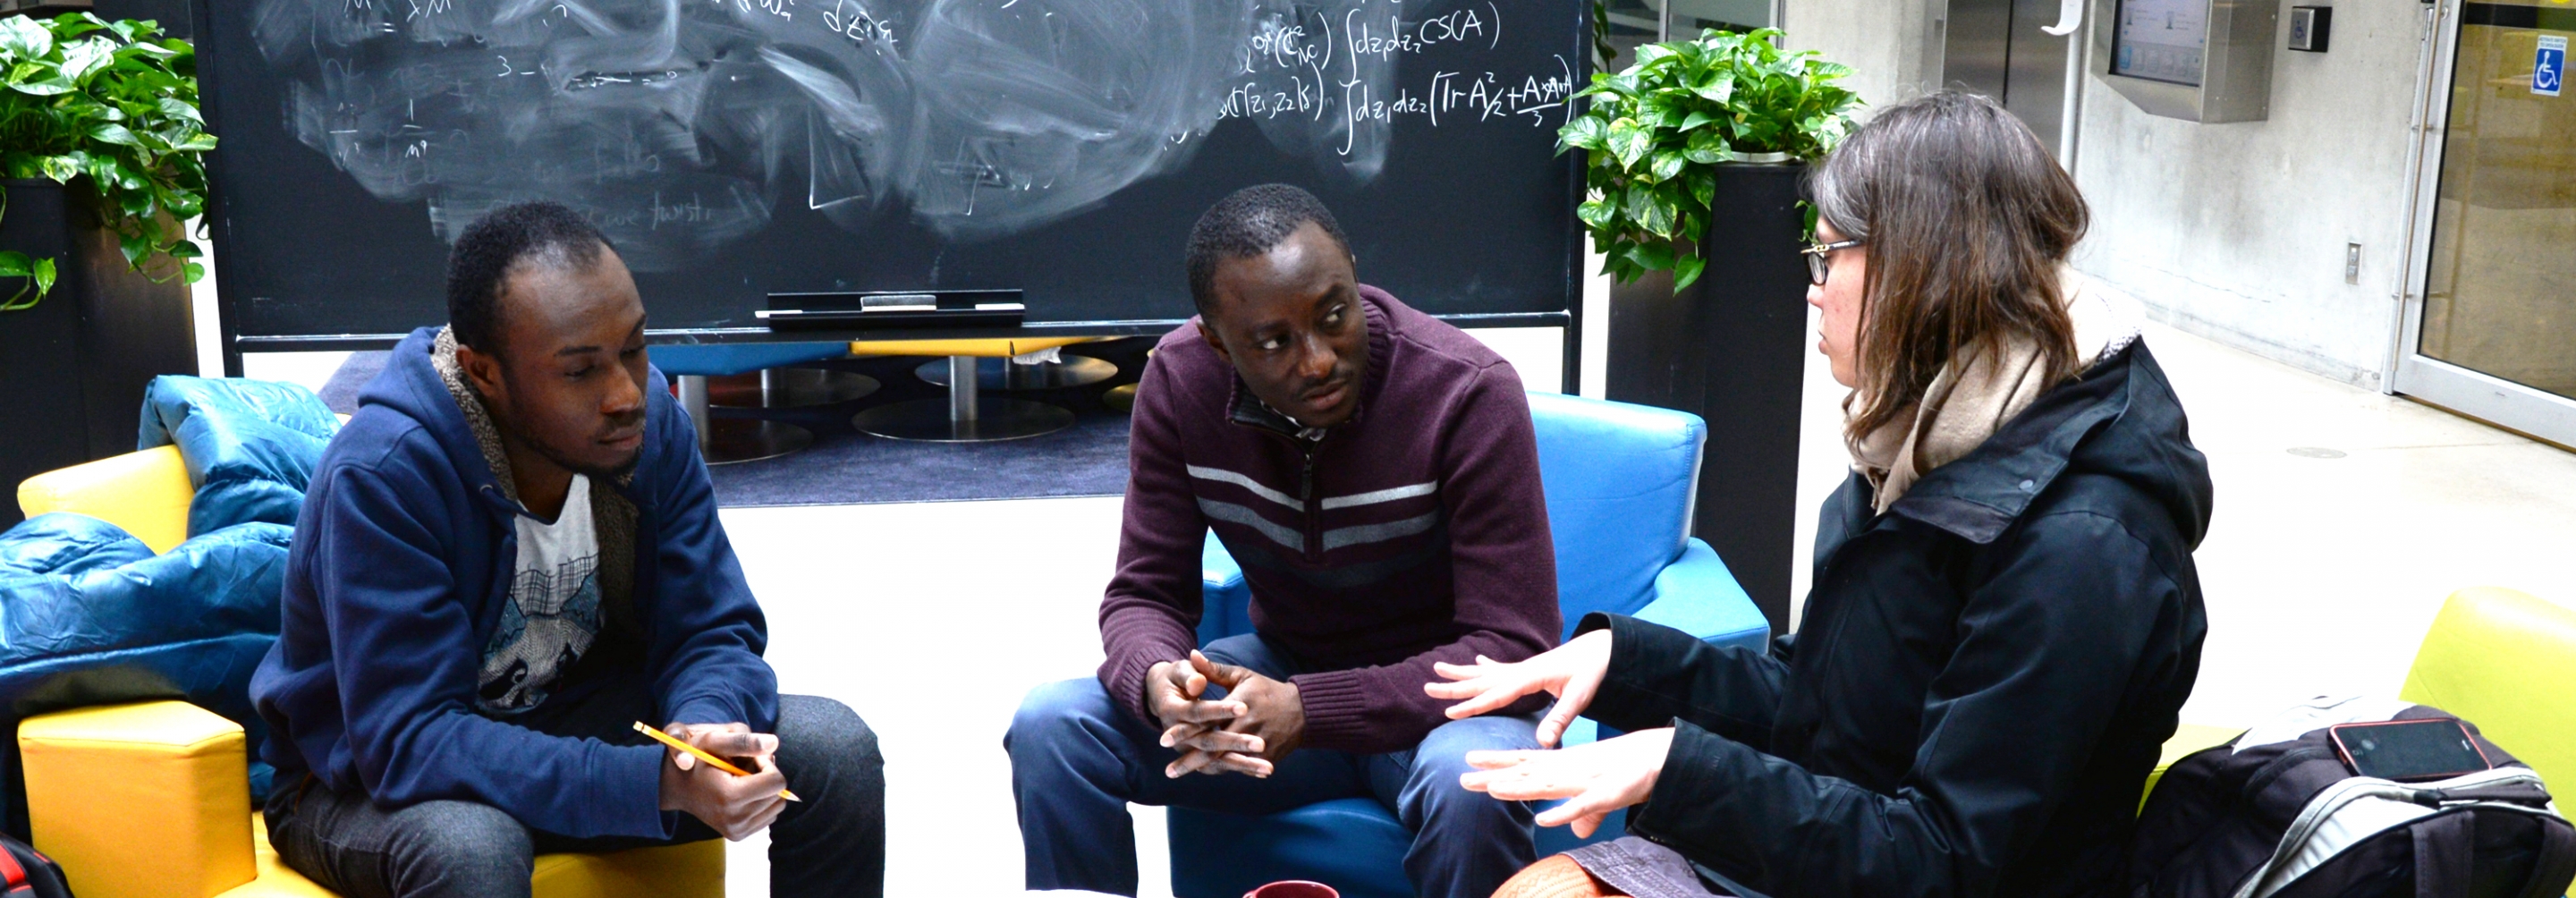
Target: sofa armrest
[(142, 799), (1697, 595)]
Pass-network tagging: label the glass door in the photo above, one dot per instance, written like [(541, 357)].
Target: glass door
[(2492, 332)]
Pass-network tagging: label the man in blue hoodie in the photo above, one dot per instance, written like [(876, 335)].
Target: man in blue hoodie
[(508, 557)]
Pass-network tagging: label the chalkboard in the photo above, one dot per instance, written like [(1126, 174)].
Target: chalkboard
[(737, 148)]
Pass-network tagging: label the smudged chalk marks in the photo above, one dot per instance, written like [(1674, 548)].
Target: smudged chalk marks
[(680, 125)]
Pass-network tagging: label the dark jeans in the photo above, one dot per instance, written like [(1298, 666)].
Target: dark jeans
[(1078, 758), (833, 843)]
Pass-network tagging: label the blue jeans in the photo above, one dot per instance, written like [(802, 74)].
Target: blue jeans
[(833, 843), (1078, 758)]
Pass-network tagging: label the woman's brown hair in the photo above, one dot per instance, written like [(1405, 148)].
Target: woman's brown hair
[(1966, 220)]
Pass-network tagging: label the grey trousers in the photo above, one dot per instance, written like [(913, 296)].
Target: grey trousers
[(833, 843)]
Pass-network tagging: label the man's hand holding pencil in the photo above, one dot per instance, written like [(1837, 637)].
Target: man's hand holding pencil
[(736, 803)]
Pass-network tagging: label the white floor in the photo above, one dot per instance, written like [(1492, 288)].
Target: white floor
[(2320, 576)]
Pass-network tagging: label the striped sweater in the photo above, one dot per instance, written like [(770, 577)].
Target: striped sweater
[(1415, 532)]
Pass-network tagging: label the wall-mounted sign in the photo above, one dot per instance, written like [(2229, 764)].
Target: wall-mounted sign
[(2549, 65)]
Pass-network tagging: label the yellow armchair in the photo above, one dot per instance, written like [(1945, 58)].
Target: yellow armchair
[(152, 799), (2495, 657), (2503, 660)]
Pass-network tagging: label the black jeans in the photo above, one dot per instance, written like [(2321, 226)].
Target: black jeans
[(832, 843)]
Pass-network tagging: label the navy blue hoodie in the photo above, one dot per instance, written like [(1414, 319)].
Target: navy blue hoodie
[(399, 573)]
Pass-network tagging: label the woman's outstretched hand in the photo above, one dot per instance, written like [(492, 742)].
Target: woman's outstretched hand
[(1594, 779), (1572, 672)]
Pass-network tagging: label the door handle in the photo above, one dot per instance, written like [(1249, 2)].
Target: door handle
[(2070, 16)]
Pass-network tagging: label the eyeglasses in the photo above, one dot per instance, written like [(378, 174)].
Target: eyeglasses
[(1817, 266)]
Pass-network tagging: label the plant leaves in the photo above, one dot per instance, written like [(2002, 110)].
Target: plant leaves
[(1686, 271), (23, 38), (176, 109), (1629, 141), (111, 132), (14, 264), (1583, 131), (60, 168), (1667, 164), (44, 273), (1596, 214)]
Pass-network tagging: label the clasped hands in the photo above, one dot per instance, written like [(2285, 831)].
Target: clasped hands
[(1257, 723), (1594, 779), (734, 806)]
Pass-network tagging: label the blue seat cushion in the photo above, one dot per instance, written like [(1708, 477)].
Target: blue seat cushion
[(720, 359), (1351, 844)]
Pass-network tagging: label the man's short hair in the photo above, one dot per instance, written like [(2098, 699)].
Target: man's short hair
[(548, 233), (1247, 223)]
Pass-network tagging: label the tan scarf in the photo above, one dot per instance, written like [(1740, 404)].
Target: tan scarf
[(1964, 405)]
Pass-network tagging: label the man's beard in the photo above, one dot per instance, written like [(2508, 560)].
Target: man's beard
[(613, 474)]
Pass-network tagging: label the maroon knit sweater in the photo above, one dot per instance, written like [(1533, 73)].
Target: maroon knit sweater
[(1415, 532)]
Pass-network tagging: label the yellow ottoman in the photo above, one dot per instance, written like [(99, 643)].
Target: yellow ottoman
[(150, 800)]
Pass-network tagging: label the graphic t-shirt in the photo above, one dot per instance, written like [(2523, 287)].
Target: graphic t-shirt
[(553, 612)]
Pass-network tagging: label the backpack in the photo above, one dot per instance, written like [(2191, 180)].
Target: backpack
[(28, 873), (2277, 814)]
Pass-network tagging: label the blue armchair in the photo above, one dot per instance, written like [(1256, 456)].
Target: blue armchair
[(1619, 481)]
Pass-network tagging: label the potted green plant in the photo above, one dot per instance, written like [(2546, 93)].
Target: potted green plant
[(101, 164), (1693, 160), (1658, 133)]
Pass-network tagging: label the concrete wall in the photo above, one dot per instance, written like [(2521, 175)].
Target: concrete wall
[(2237, 232), (1893, 46)]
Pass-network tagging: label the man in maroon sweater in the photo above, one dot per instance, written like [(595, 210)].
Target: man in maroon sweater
[(1374, 471)]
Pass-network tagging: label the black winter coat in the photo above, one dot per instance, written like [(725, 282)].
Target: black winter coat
[(1983, 679)]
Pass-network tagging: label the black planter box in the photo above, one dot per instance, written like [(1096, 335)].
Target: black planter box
[(1731, 349), (73, 368)]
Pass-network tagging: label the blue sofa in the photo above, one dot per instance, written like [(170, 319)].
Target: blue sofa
[(1619, 480)]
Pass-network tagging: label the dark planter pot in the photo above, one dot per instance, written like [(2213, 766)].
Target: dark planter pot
[(73, 368), (1731, 349)]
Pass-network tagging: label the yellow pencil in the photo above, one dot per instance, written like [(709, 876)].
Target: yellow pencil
[(720, 763)]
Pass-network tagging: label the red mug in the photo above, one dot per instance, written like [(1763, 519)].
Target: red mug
[(1294, 888)]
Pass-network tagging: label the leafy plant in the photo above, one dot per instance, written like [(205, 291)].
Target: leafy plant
[(1656, 132), (116, 103)]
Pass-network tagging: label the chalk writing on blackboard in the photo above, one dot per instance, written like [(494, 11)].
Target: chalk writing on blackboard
[(680, 125)]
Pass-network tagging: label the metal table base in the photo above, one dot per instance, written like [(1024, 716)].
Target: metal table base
[(963, 417), (790, 388), (725, 441)]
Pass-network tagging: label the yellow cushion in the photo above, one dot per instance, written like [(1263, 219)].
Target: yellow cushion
[(693, 870), (144, 492), (142, 799), (690, 870), (2187, 738), (2503, 660), (984, 348), (276, 880)]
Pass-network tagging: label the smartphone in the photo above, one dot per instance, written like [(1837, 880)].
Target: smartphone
[(2409, 750)]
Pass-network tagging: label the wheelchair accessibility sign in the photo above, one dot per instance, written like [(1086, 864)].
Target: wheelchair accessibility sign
[(2549, 65)]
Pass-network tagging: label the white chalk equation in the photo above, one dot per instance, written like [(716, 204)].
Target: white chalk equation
[(671, 120)]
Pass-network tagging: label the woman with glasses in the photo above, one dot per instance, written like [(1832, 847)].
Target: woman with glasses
[(2004, 619)]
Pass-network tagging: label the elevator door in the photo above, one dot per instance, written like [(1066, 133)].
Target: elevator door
[(1996, 48)]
